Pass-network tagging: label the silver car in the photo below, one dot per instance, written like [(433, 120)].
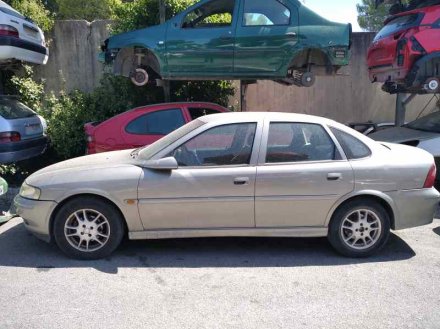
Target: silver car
[(235, 174), (22, 131)]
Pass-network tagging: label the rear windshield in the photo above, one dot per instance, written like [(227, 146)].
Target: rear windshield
[(11, 12), (430, 123), (13, 109), (398, 24)]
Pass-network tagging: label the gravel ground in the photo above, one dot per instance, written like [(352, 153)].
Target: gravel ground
[(222, 283)]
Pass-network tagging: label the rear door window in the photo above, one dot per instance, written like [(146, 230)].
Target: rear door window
[(12, 109), (198, 112), (156, 123), (398, 24)]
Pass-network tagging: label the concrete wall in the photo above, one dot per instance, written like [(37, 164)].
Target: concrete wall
[(74, 49), (346, 98), (73, 64)]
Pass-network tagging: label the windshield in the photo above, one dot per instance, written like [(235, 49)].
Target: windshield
[(147, 152), (429, 123), (398, 24), (13, 109)]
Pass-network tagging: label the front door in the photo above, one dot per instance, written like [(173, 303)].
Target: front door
[(212, 188), (203, 42), (266, 36), (301, 176)]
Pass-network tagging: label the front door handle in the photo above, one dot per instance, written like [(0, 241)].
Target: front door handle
[(291, 34), (241, 181), (334, 176)]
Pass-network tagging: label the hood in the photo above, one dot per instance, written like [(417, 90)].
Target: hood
[(148, 37), (401, 135), (89, 162)]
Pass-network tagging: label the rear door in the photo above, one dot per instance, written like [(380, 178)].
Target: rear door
[(267, 33), (147, 128), (301, 175)]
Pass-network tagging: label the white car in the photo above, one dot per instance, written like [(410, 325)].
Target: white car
[(20, 39)]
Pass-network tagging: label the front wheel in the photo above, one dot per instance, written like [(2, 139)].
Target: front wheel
[(359, 228), (88, 228)]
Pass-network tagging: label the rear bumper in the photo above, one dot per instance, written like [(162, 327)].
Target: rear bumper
[(22, 50), (17, 151), (36, 215), (414, 208)]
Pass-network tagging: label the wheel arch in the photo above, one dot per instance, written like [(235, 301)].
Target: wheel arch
[(311, 55), (381, 198), (125, 60), (79, 196)]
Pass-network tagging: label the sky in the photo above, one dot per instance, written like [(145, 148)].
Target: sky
[(343, 11)]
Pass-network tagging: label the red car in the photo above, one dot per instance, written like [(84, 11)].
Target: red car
[(405, 54), (143, 125)]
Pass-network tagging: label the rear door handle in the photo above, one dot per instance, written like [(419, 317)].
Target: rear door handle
[(241, 181), (334, 176), (291, 34)]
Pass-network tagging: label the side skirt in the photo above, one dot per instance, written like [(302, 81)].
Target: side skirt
[(297, 232)]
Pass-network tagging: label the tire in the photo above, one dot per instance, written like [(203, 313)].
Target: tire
[(94, 238), (359, 228)]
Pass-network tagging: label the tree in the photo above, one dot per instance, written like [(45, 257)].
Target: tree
[(370, 18), (86, 9), (36, 10)]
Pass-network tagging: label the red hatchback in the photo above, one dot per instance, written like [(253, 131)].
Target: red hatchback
[(143, 125), (405, 54)]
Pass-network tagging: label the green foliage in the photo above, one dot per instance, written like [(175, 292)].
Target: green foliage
[(35, 10), (371, 18), (142, 13), (86, 9)]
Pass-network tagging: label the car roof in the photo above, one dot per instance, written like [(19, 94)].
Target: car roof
[(256, 116), (141, 108)]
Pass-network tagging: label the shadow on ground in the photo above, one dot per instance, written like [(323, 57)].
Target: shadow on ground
[(20, 249), (437, 230)]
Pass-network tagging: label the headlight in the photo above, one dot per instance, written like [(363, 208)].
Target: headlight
[(30, 192)]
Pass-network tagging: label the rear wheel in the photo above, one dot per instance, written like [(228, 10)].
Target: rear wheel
[(359, 228), (88, 228)]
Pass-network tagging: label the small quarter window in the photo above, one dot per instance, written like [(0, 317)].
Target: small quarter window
[(353, 147), (298, 142), (156, 123), (265, 12), (198, 112)]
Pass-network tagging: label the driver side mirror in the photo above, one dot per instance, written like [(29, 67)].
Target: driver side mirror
[(169, 163)]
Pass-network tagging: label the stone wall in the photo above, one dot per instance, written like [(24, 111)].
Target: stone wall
[(73, 64), (73, 59)]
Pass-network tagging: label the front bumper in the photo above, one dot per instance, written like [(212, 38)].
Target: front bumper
[(26, 149), (414, 207), (36, 215)]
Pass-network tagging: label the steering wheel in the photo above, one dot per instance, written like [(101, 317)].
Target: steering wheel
[(187, 157)]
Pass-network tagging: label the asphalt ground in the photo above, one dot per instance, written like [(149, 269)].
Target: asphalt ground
[(221, 283)]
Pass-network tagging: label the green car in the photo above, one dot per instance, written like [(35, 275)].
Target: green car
[(279, 40)]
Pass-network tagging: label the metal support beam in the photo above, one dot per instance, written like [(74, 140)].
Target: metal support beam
[(243, 90), (165, 83), (402, 101)]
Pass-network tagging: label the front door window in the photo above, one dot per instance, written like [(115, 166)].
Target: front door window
[(226, 145), (217, 13)]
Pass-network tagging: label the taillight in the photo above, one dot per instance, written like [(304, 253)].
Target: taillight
[(8, 30), (9, 137), (430, 179)]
